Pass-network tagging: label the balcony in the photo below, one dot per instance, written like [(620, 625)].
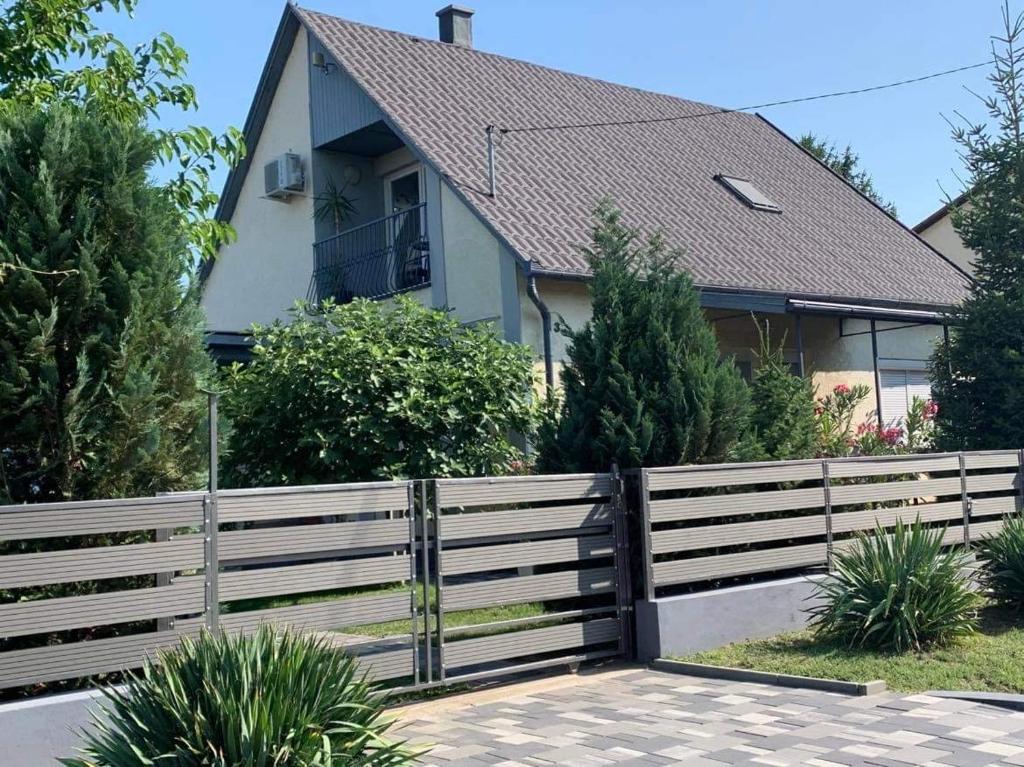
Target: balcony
[(382, 258)]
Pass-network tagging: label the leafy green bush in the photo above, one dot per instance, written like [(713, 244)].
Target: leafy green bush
[(373, 390), (897, 591), (266, 699), (1002, 557)]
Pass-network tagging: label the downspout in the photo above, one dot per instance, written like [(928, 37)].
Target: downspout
[(545, 319)]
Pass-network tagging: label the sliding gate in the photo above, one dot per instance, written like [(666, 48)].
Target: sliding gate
[(424, 582)]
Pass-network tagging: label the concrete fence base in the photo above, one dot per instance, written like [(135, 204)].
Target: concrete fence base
[(689, 623), (36, 732)]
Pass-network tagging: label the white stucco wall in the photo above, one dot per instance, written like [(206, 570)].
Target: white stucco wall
[(259, 276), (472, 263), (943, 237)]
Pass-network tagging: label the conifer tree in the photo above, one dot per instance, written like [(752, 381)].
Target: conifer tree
[(978, 379), (644, 384), (782, 423), (101, 348)]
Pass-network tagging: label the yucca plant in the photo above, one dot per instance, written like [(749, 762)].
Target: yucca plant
[(1002, 557), (897, 591), (265, 700)]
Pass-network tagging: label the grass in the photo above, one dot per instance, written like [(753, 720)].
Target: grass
[(992, 660), (452, 620)]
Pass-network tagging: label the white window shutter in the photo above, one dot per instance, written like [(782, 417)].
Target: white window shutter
[(899, 387)]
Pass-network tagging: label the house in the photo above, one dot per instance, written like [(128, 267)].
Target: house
[(937, 230), (471, 180)]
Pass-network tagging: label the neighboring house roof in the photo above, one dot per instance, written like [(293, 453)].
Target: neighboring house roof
[(829, 241), (941, 213)]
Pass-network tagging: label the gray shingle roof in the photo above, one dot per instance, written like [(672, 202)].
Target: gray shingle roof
[(829, 241)]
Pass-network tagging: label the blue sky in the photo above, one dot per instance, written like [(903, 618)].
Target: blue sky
[(726, 52)]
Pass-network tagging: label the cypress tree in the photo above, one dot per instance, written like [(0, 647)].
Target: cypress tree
[(644, 384), (782, 423), (978, 379), (101, 350)]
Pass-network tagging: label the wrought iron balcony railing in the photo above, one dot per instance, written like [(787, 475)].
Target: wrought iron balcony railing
[(384, 257)]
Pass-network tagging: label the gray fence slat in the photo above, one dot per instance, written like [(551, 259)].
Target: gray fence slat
[(340, 500), (529, 588), (679, 509), (525, 521), (994, 460), (44, 568), (712, 536), (321, 576), (490, 491), (988, 483), (504, 556), (44, 615), (79, 659), (304, 539), (685, 477), (892, 465), (531, 642), (27, 522), (1006, 504), (851, 521), (331, 614), (740, 563), (845, 495), (391, 664)]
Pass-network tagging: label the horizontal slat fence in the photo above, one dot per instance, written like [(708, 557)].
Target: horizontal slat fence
[(705, 526), (336, 560), (529, 572), (87, 588)]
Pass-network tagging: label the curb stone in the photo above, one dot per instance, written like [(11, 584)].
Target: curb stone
[(765, 677)]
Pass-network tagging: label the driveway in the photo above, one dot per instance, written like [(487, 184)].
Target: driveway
[(632, 716)]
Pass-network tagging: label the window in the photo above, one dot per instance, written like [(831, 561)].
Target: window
[(748, 193), (899, 387)]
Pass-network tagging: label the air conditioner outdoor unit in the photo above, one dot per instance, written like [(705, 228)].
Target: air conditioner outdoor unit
[(283, 177)]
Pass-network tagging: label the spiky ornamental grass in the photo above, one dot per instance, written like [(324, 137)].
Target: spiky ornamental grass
[(265, 700), (1002, 557), (897, 591)]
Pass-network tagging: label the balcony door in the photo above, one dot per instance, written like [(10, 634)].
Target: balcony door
[(403, 197)]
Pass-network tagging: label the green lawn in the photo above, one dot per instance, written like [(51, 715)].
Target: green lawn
[(992, 661), (392, 628)]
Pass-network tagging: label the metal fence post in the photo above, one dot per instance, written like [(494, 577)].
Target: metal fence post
[(826, 486), (414, 628), (965, 499), (211, 562), (439, 575), (623, 597), (1020, 481), (645, 508), (163, 535), (425, 568)]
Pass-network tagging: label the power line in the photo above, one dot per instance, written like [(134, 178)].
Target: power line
[(711, 113)]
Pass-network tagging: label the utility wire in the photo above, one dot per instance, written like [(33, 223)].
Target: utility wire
[(711, 113)]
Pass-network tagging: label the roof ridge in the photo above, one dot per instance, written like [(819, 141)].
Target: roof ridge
[(490, 54)]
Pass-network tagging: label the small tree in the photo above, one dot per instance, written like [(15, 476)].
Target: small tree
[(782, 419), (644, 384), (370, 391), (978, 379), (101, 339), (846, 163)]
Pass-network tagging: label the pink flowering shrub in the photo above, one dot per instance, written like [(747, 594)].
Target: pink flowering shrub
[(837, 435)]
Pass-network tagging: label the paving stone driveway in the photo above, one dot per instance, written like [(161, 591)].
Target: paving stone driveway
[(639, 717)]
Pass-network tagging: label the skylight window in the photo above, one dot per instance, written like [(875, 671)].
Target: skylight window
[(748, 193)]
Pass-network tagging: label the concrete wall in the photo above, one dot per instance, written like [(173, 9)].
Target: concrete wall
[(36, 732), (689, 623), (259, 276), (943, 237)]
